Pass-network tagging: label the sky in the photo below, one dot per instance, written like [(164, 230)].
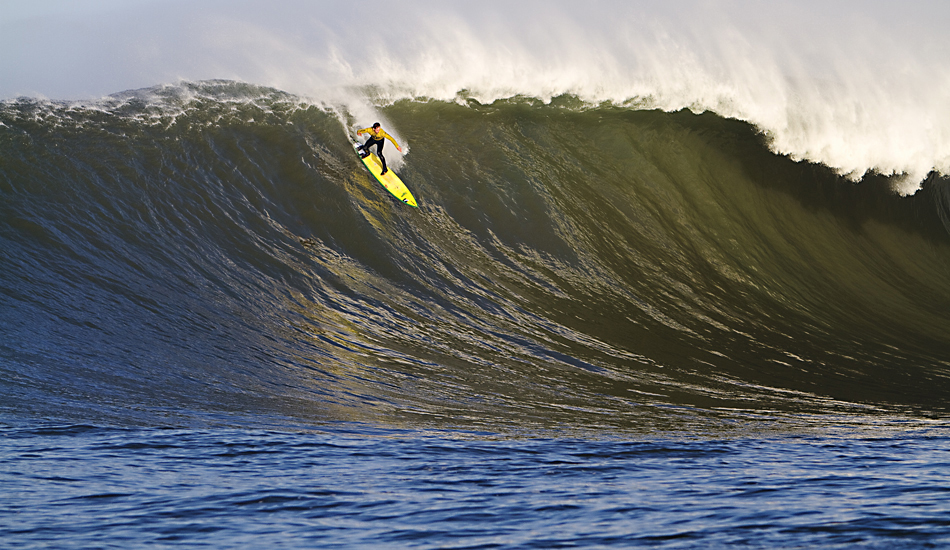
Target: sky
[(76, 49), (79, 49)]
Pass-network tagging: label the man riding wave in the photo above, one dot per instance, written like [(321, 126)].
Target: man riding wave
[(377, 137)]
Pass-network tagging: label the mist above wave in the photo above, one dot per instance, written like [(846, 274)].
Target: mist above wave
[(858, 86)]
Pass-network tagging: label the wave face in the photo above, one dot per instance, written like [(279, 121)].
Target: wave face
[(215, 253)]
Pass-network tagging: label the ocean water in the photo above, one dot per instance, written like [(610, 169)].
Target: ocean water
[(638, 305), (86, 487), (602, 327)]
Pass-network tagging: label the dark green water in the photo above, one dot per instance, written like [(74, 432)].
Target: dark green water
[(568, 266)]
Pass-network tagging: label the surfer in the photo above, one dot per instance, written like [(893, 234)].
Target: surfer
[(377, 137)]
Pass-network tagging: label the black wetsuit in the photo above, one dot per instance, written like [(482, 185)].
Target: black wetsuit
[(379, 149), (377, 137)]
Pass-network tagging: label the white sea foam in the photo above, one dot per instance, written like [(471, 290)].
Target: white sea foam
[(859, 86)]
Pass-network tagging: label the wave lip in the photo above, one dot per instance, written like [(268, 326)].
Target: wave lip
[(850, 86)]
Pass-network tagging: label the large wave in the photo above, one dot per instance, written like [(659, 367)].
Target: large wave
[(215, 251)]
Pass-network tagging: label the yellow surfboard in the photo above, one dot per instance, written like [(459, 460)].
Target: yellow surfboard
[(389, 180)]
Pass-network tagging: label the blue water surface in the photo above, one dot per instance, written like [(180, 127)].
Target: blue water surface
[(92, 487)]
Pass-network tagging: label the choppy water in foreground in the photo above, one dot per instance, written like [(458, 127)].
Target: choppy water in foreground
[(78, 486)]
